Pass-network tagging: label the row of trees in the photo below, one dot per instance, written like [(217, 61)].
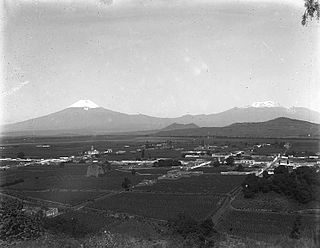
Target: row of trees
[(300, 184)]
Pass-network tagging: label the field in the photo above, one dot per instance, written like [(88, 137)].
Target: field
[(219, 184), (69, 185), (70, 198), (160, 206), (74, 145), (198, 196), (69, 177), (217, 170), (272, 201), (264, 226)]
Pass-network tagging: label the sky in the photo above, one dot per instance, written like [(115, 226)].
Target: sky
[(160, 58)]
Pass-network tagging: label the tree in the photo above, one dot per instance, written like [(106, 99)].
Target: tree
[(216, 163), (20, 155), (230, 160), (302, 192), (250, 186), (311, 11), (309, 174), (240, 168), (126, 184), (281, 169), (265, 174), (167, 163)]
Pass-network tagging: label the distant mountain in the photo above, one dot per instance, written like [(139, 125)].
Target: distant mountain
[(177, 126), (86, 117), (278, 128), (250, 114)]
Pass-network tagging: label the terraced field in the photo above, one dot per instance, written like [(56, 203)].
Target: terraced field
[(160, 206)]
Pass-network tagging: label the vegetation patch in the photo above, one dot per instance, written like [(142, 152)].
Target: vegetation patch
[(302, 184)]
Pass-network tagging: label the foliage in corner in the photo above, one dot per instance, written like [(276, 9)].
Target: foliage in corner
[(15, 224), (311, 11)]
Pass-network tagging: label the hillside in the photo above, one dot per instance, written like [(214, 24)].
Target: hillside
[(177, 126), (276, 128)]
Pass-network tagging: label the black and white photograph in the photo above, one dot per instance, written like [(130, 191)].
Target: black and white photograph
[(160, 123)]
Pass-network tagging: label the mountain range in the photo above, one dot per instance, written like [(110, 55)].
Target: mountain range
[(86, 117), (281, 127)]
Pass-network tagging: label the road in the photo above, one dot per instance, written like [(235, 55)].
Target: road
[(269, 165), (225, 205)]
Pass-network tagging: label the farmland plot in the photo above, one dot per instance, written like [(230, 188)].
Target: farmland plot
[(70, 198), (219, 184), (57, 179), (160, 206), (263, 226)]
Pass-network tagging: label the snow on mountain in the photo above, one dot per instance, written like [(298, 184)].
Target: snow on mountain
[(85, 104), (265, 104), (86, 117)]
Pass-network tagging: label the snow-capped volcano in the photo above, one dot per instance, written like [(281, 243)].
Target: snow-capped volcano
[(85, 104), (86, 117), (265, 104)]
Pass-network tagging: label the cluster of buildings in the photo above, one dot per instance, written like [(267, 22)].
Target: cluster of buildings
[(177, 174), (48, 212)]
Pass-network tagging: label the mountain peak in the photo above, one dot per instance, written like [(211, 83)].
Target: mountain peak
[(85, 104), (265, 104)]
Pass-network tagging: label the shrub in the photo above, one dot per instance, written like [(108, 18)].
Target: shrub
[(20, 155), (167, 163), (68, 226), (15, 224), (126, 184), (191, 230)]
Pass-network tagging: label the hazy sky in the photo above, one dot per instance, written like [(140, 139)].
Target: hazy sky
[(162, 57)]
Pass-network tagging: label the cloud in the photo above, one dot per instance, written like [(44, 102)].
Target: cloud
[(14, 89), (198, 69), (187, 59)]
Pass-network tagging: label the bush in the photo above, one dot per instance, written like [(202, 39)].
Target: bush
[(230, 160), (68, 226), (167, 163), (16, 224), (250, 185), (20, 155), (126, 184), (191, 230)]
